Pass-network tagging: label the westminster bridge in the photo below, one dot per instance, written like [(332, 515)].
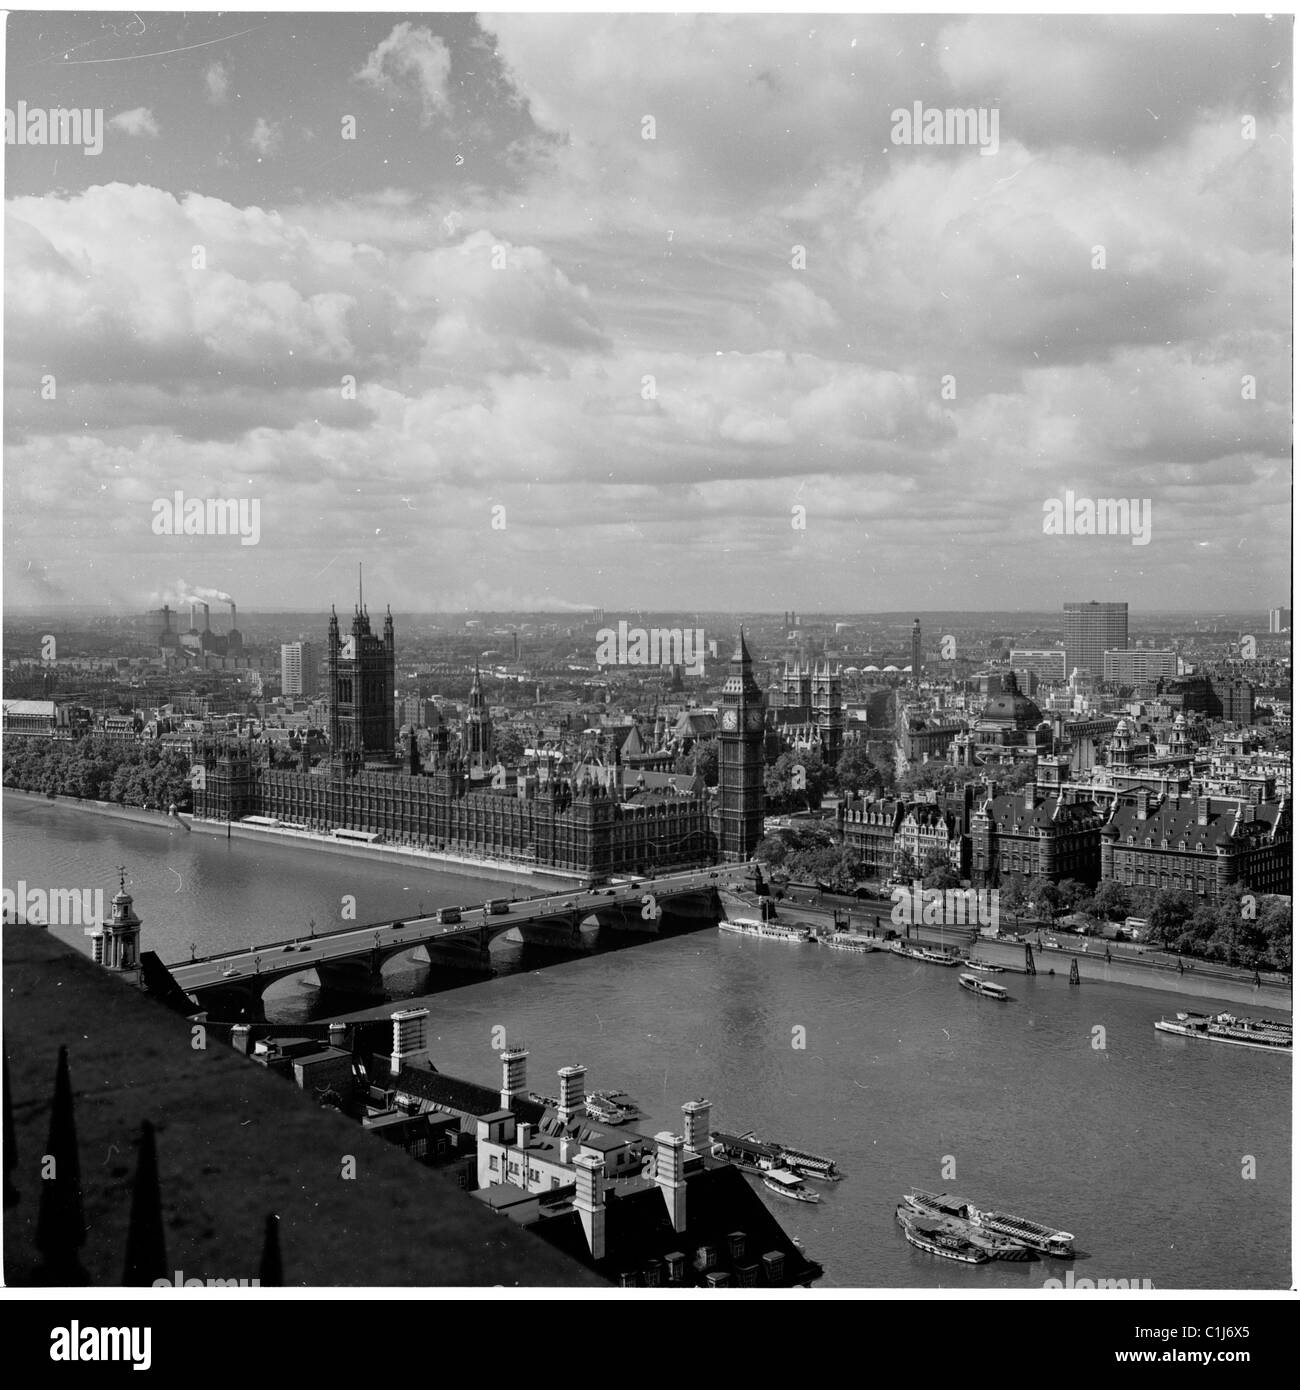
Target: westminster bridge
[(231, 984)]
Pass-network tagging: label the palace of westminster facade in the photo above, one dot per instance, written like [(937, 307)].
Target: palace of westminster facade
[(535, 816)]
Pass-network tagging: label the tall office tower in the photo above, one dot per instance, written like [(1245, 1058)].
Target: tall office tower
[(1279, 620), (741, 798), (298, 668), (1092, 630), (916, 654), (362, 681)]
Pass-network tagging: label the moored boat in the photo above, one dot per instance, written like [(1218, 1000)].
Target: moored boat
[(992, 1225), (770, 931), (600, 1108), (931, 955), (933, 1237), (1034, 1234), (1265, 1035)]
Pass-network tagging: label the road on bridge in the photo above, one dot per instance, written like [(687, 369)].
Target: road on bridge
[(277, 957)]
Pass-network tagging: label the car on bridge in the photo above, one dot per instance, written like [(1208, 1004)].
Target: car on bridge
[(398, 925)]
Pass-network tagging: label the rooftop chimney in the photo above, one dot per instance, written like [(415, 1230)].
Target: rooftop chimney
[(668, 1174), (338, 1036), (589, 1201), (514, 1073), (573, 1091), (410, 1038), (1202, 810), (697, 1125), (525, 1135)]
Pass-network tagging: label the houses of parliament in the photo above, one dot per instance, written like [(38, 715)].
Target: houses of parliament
[(583, 819)]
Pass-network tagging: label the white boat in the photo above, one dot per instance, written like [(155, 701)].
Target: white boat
[(984, 987), (771, 931), (985, 967), (1264, 1035), (932, 956), (839, 941), (787, 1184)]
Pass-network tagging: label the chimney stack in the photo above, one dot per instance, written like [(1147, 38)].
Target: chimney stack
[(410, 1039), (207, 622), (589, 1201), (697, 1125), (514, 1073), (338, 1036), (668, 1174), (194, 618), (573, 1092), (233, 616), (524, 1134), (1202, 810)]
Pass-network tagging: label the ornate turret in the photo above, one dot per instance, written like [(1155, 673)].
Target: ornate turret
[(115, 944)]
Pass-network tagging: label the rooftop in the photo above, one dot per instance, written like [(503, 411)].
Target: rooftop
[(234, 1145)]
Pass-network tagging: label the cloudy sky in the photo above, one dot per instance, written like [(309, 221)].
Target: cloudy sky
[(512, 352)]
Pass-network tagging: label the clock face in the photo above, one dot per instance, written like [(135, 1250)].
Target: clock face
[(349, 650), (729, 719), (754, 719)]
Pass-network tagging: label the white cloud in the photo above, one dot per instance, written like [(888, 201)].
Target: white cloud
[(139, 121), (218, 83), (409, 58), (267, 136)]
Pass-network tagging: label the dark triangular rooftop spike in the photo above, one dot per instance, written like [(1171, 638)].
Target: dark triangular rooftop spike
[(146, 1251), (61, 1223), (271, 1272), (11, 1146)]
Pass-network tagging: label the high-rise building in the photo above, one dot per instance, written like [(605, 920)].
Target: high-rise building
[(1279, 620), (916, 653), (741, 798), (1092, 630), (1047, 663), (1138, 666), (298, 668)]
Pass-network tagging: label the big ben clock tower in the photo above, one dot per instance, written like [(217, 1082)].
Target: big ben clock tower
[(741, 799)]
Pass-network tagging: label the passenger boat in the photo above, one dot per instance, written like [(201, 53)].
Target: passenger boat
[(1018, 1229), (1266, 1035), (986, 967), (930, 954), (952, 1212), (839, 941), (603, 1110), (810, 1165), (984, 987), (787, 1184), (771, 931), (934, 1238), (1034, 1234)]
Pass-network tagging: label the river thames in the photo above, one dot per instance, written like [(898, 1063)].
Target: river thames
[(1168, 1159)]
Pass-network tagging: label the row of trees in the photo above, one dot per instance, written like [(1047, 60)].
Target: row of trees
[(100, 769)]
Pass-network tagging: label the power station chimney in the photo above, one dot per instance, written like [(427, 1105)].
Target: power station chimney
[(194, 616), (207, 624), (233, 615)]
